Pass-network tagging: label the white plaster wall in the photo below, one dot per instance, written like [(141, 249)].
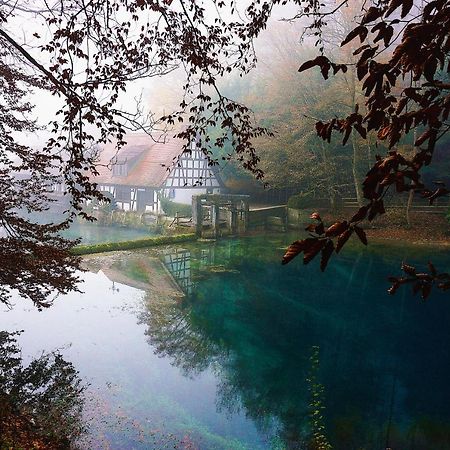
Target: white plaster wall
[(184, 196)]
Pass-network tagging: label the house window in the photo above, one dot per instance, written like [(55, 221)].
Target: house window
[(123, 194), (120, 170), (171, 193)]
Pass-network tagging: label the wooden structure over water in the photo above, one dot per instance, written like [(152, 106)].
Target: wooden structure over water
[(214, 215)]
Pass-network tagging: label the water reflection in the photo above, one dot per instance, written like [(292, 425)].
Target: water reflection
[(41, 404), (315, 362)]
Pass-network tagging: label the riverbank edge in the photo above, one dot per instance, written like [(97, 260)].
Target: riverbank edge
[(153, 241)]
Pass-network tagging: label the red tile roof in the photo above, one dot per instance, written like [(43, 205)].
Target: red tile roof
[(150, 161)]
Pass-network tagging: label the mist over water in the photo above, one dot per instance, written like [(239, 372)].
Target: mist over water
[(216, 345)]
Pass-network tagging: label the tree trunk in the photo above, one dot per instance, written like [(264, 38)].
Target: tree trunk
[(408, 207), (356, 180), (411, 192)]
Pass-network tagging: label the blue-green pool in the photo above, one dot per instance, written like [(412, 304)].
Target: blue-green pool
[(218, 346), (97, 234)]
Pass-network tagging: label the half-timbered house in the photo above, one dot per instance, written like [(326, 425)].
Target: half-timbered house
[(144, 170)]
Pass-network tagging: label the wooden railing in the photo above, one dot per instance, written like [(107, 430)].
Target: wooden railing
[(440, 206), (179, 220)]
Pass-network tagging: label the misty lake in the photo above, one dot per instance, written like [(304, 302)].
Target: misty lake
[(215, 345)]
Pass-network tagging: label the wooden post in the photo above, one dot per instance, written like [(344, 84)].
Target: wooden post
[(197, 214), (245, 207), (215, 219), (233, 219)]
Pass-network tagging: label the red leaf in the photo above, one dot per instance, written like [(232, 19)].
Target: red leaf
[(358, 31), (389, 32), (313, 248), (348, 131), (362, 70), (393, 6), (343, 238), (426, 289), (393, 288), (423, 137), (361, 234), (360, 215), (322, 61), (406, 7), (373, 13), (327, 251), (293, 250), (433, 270), (410, 270), (337, 228), (361, 130), (317, 228)]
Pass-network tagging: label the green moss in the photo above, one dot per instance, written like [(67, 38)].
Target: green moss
[(129, 245)]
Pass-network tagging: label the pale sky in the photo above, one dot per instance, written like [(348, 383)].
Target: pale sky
[(158, 95)]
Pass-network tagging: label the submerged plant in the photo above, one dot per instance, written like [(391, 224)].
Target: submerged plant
[(319, 440)]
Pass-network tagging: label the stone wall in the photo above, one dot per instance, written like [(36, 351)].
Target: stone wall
[(298, 218), (271, 218)]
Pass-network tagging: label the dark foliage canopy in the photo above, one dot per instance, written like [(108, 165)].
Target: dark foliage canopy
[(404, 65)]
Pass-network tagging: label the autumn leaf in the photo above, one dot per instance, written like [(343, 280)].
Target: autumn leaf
[(392, 7), (361, 234), (336, 229), (360, 215), (343, 238), (293, 250), (322, 61), (327, 251), (360, 31), (312, 249), (406, 7), (373, 13), (410, 270)]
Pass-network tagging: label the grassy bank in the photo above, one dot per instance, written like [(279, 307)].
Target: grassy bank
[(129, 245)]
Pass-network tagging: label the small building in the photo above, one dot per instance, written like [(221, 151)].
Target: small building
[(143, 171)]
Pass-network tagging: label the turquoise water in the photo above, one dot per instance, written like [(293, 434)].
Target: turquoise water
[(218, 346), (97, 234)]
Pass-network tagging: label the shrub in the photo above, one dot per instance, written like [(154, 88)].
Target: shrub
[(171, 208), (303, 200)]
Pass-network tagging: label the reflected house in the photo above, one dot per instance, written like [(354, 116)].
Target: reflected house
[(147, 168), (178, 263), (171, 272)]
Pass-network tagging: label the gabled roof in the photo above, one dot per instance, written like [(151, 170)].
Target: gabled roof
[(148, 162)]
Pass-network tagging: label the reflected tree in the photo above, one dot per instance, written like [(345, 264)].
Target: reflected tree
[(41, 403), (256, 336), (173, 331)]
